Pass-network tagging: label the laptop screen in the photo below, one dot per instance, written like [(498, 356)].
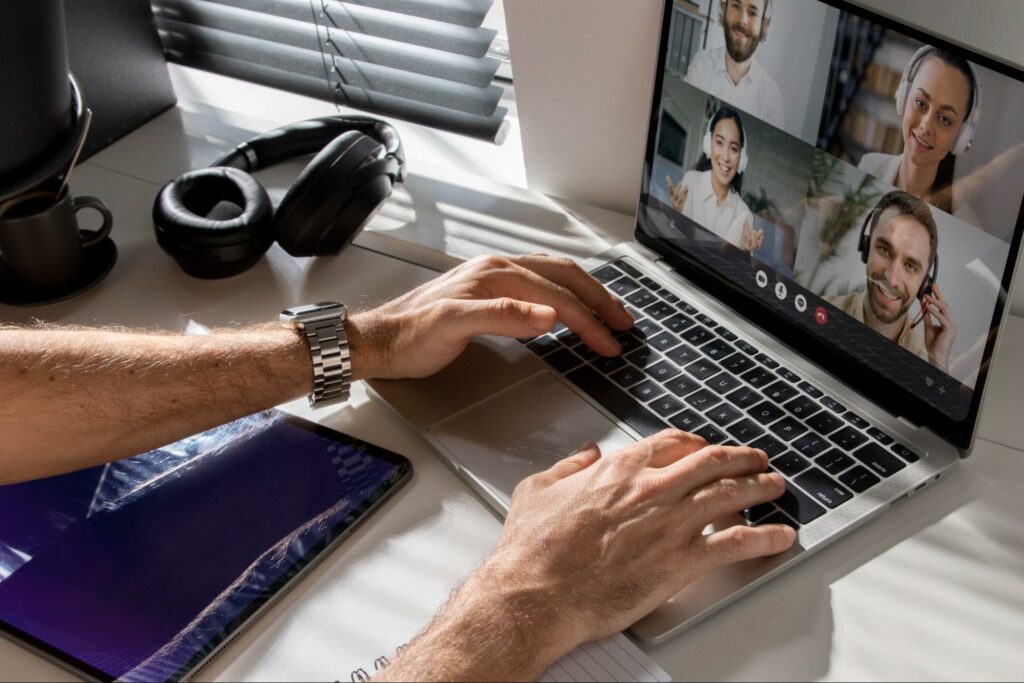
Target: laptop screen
[(851, 184)]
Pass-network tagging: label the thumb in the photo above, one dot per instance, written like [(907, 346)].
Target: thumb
[(586, 456), (504, 317)]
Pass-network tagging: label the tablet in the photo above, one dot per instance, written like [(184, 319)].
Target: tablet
[(144, 568)]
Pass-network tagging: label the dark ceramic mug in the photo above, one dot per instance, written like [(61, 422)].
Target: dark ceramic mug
[(40, 239)]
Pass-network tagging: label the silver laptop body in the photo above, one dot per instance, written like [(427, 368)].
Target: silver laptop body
[(501, 412)]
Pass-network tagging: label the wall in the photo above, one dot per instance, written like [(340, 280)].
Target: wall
[(584, 71)]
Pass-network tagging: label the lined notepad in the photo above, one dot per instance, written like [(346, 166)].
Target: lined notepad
[(611, 659)]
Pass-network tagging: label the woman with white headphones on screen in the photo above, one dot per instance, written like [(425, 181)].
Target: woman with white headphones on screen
[(710, 195), (938, 101)]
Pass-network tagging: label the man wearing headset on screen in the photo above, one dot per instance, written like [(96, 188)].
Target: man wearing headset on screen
[(899, 245), (731, 73)]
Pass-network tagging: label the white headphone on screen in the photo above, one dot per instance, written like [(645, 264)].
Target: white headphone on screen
[(970, 124), (743, 134)]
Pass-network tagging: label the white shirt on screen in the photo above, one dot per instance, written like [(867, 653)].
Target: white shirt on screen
[(886, 166), (726, 219), (757, 93)]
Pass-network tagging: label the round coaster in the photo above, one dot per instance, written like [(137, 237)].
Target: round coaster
[(97, 261)]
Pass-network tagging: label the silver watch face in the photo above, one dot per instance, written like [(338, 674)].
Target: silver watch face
[(313, 312)]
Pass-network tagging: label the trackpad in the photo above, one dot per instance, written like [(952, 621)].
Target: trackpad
[(522, 430)]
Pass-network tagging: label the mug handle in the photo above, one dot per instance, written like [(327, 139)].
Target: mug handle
[(92, 237)]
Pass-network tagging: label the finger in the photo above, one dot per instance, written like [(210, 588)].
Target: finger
[(712, 463), (728, 496), (568, 274), (504, 316), (668, 446), (741, 543), (524, 285), (583, 458), (671, 186)]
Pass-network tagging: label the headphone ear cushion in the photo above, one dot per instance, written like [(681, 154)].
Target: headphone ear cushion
[(215, 222), (314, 212)]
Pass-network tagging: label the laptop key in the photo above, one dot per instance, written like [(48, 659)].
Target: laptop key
[(858, 479), (542, 345), (647, 391), (650, 284), (662, 371), (799, 505), (745, 431), (716, 349), (848, 439), (905, 453), (758, 377), (647, 327), (641, 298), (770, 445), (811, 390), (744, 397), (780, 392), (659, 310), (706, 320), (618, 402), (568, 338), (702, 369), (811, 445), (563, 360), (802, 407), (629, 268), (879, 460), (606, 274), (880, 436), (723, 383), (687, 420), (608, 365), (643, 357), (822, 488), (726, 335), (703, 400), (688, 309), (666, 405), (788, 428), (682, 385), (833, 405), (779, 518), (677, 323), (747, 348), (683, 354), (710, 434), (669, 297), (628, 376), (585, 352), (834, 461), (767, 361), (766, 412), (624, 286), (663, 341), (723, 414), (737, 363), (824, 422), (855, 419), (787, 374), (697, 335), (758, 512), (789, 463)]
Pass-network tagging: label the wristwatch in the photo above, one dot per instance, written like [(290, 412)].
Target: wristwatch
[(323, 325)]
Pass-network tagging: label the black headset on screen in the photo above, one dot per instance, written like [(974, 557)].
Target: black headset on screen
[(864, 246), (219, 221), (766, 18)]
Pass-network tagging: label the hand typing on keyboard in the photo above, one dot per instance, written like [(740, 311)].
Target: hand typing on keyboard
[(590, 546)]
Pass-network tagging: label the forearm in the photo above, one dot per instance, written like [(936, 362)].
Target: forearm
[(78, 398), (490, 630)]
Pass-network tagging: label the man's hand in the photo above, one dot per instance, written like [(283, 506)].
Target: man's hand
[(939, 329), (421, 332), (589, 547), (678, 193)]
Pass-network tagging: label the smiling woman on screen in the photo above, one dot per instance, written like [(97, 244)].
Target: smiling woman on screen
[(710, 194)]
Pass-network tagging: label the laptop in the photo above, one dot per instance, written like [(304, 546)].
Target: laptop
[(822, 253)]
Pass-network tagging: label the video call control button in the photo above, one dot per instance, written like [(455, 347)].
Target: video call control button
[(821, 315), (800, 303), (761, 278), (781, 291)]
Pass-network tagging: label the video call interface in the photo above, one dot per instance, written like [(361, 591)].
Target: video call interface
[(854, 179)]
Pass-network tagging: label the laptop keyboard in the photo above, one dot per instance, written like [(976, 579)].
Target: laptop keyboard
[(680, 368)]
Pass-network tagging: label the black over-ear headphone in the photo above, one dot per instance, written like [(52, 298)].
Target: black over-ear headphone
[(218, 221), (864, 246)]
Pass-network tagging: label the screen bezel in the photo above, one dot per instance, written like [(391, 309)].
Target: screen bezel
[(891, 396), (360, 513)]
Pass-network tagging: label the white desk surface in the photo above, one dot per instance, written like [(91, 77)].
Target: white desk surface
[(932, 590)]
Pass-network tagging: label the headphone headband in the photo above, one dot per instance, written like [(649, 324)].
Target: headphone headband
[(864, 245), (706, 140), (969, 125)]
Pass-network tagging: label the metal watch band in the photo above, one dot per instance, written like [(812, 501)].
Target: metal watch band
[(323, 325), (332, 361)]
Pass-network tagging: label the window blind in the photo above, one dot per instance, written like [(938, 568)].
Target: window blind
[(420, 60)]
